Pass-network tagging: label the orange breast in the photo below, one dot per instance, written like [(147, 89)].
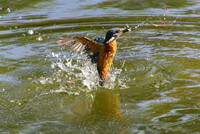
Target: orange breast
[(105, 60)]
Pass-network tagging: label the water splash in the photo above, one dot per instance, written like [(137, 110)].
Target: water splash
[(163, 20), (75, 73)]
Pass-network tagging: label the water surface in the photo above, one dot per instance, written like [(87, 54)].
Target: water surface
[(155, 77)]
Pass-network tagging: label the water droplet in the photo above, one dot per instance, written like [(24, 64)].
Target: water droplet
[(2, 90), (30, 32), (39, 38), (12, 101), (8, 10), (157, 85)]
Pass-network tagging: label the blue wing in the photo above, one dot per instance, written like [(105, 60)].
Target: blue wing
[(99, 40)]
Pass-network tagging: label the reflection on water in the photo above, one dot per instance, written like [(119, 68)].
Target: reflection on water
[(103, 116), (155, 79), (106, 103)]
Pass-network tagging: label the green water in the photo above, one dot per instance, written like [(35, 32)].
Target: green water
[(155, 80)]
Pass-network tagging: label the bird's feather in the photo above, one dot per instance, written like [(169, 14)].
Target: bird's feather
[(99, 40), (83, 45), (78, 43)]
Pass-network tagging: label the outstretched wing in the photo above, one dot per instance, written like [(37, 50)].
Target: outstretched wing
[(79, 44), (83, 44)]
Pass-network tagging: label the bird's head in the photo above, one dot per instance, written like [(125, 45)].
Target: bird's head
[(114, 33)]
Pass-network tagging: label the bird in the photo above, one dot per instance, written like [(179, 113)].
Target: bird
[(100, 50)]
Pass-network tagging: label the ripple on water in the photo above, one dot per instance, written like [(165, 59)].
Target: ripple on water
[(160, 74), (8, 78)]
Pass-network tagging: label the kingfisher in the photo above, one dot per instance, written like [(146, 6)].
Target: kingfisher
[(100, 50)]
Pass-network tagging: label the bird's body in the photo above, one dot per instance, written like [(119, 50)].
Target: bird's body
[(100, 51), (105, 60)]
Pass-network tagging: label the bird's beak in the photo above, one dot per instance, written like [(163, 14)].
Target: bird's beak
[(124, 30), (115, 36)]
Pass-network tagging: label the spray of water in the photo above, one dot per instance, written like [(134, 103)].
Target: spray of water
[(163, 19), (75, 73)]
